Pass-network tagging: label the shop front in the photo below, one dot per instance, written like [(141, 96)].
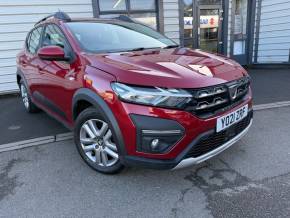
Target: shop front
[(218, 26)]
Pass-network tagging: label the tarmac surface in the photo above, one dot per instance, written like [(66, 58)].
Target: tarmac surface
[(251, 179)]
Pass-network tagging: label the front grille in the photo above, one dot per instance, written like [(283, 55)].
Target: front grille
[(216, 140), (209, 101)]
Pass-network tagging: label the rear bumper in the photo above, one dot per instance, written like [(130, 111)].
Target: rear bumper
[(182, 160)]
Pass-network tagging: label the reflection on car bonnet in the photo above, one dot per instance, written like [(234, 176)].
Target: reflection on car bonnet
[(204, 70)]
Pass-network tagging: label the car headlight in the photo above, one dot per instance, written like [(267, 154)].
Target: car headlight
[(154, 96)]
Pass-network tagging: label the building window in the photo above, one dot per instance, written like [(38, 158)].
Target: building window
[(210, 2), (142, 4), (144, 11), (188, 23), (112, 5), (240, 27)]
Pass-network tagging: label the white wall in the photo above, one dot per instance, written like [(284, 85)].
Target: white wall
[(171, 19), (17, 17), (274, 34)]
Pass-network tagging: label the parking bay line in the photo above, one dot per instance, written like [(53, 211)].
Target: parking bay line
[(68, 136), (35, 142), (271, 105)]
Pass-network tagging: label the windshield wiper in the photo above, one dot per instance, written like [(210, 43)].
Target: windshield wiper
[(171, 46), (138, 49), (142, 48)]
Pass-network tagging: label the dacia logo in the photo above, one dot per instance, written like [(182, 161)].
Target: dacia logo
[(233, 90)]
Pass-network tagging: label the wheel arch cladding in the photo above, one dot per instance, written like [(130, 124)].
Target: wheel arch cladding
[(95, 100), (20, 77)]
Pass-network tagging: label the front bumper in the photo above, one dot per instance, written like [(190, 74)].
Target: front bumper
[(183, 159), (193, 130), (191, 161)]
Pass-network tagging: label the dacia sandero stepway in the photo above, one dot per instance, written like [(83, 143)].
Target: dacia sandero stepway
[(132, 96)]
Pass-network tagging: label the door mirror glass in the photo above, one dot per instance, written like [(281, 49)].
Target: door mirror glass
[(52, 53)]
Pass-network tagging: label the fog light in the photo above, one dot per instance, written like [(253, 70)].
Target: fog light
[(157, 143), (154, 144)]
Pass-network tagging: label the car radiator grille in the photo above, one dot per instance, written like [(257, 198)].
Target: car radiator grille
[(209, 101), (216, 140)]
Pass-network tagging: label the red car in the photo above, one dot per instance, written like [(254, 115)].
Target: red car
[(132, 96)]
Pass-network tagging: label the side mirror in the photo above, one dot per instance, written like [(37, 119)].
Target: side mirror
[(52, 53)]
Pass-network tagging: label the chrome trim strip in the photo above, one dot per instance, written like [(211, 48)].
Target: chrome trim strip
[(191, 161), (161, 132), (210, 93)]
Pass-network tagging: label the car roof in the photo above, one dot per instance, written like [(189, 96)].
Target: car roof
[(91, 19), (62, 17), (85, 20)]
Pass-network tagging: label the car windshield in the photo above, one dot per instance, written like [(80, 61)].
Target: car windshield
[(100, 37)]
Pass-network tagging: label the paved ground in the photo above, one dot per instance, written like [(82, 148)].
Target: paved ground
[(17, 125), (268, 86), (251, 179)]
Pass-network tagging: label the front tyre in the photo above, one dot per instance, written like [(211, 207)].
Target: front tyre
[(95, 142)]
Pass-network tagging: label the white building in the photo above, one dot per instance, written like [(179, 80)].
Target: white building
[(250, 31)]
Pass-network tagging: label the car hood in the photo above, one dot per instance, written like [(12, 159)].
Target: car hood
[(172, 68)]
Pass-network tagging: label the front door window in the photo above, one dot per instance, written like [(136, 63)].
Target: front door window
[(34, 40)]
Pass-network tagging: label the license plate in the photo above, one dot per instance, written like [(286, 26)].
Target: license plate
[(230, 119)]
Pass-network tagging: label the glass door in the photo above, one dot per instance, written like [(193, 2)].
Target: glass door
[(203, 25), (209, 29)]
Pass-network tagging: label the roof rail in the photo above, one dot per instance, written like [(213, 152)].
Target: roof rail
[(58, 15), (126, 19)]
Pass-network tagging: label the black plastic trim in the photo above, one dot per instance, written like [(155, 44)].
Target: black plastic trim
[(163, 164), (93, 98), (142, 122), (154, 123), (21, 74)]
